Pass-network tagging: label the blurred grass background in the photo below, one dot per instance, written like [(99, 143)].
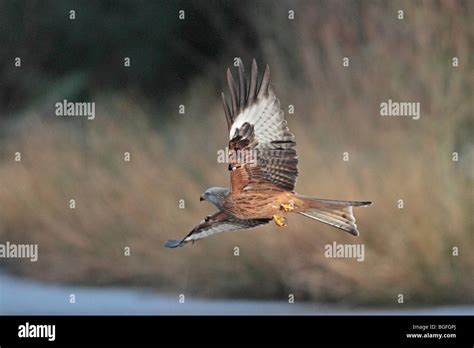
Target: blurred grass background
[(173, 156)]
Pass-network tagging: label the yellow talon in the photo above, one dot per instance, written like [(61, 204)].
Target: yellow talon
[(280, 221), (288, 207)]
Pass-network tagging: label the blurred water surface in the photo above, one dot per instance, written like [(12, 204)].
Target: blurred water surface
[(19, 296)]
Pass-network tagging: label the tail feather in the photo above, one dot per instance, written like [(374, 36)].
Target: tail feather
[(332, 212)]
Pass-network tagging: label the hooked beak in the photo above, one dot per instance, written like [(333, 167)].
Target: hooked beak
[(202, 198)]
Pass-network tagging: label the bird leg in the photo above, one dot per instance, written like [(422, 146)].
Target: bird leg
[(280, 220), (288, 207)]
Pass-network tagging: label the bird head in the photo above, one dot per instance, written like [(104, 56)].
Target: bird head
[(215, 195)]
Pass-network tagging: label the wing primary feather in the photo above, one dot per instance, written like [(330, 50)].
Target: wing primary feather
[(263, 91), (228, 115), (174, 243), (253, 82), (233, 92), (242, 87)]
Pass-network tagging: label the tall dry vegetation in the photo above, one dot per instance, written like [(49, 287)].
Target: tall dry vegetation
[(135, 204)]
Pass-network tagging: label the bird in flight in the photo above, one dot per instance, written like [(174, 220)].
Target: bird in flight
[(263, 168)]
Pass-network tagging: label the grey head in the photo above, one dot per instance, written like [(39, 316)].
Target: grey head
[(216, 196)]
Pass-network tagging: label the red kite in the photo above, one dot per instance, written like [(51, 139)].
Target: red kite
[(263, 189)]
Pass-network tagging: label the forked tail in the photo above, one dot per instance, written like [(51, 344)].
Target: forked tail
[(332, 212)]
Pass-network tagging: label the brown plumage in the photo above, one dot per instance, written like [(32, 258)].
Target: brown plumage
[(263, 165)]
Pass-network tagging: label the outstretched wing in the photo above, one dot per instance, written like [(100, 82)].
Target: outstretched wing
[(217, 223), (263, 154)]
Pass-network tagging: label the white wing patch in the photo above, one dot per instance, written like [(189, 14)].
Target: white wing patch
[(268, 121), (213, 229)]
